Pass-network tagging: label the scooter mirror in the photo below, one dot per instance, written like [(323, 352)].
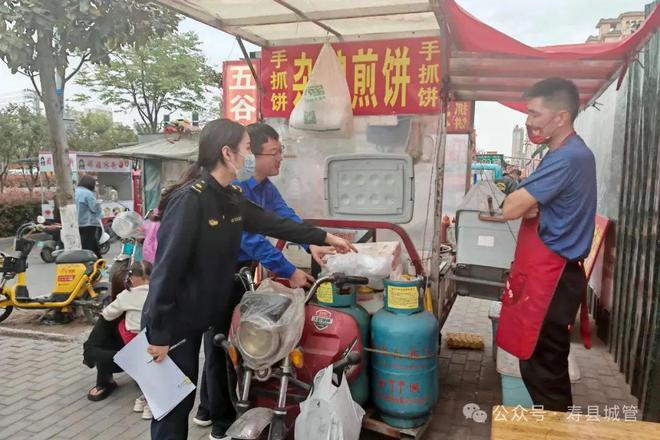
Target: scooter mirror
[(41, 219), (114, 195)]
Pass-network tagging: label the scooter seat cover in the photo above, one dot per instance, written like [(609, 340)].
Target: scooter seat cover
[(76, 256)]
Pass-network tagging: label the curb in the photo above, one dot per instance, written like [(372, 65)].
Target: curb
[(33, 334)]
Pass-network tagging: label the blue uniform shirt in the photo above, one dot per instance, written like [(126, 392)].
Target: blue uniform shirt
[(564, 184), (89, 209), (256, 247)]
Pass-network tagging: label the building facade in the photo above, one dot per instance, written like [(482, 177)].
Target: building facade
[(616, 29)]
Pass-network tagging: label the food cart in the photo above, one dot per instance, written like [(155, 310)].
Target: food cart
[(158, 163), (414, 70), (112, 174)]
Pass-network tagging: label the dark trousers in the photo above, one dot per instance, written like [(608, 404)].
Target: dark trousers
[(174, 426), (545, 373), (214, 388), (89, 238), (103, 343)]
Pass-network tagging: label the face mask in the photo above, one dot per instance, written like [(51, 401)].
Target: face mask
[(249, 164), (536, 137)]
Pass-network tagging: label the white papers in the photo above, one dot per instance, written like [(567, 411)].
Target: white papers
[(164, 385)]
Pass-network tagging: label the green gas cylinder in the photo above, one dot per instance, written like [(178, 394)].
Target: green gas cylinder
[(327, 295)]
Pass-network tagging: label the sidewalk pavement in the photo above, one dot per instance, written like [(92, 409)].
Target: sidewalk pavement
[(44, 393)]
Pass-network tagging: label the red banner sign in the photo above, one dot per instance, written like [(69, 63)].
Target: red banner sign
[(384, 77), (241, 96), (459, 117)]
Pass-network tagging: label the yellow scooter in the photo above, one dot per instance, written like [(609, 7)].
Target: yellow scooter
[(77, 281)]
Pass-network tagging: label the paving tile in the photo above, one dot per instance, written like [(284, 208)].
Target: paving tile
[(50, 401)]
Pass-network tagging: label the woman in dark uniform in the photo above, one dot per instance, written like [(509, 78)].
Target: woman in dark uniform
[(198, 245)]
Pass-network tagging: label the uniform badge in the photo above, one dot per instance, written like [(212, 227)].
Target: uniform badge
[(213, 222)]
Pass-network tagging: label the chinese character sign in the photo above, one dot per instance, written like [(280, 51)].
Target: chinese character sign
[(241, 96), (384, 77), (459, 117), (46, 162)]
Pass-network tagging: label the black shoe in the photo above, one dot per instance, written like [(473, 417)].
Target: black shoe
[(218, 430), (202, 418)]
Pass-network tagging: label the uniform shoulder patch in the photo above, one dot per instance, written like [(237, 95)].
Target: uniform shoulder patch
[(198, 186)]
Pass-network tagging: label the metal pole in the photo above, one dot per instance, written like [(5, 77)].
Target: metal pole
[(437, 217), (440, 159), (248, 60)]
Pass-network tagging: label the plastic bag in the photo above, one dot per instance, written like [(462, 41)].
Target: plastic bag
[(360, 265), (276, 310), (325, 107), (128, 224), (329, 413)]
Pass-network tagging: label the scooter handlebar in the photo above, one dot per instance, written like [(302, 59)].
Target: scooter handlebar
[(338, 279), (220, 341), (353, 358), (350, 279)]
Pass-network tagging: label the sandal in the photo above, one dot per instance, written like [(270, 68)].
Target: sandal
[(103, 392)]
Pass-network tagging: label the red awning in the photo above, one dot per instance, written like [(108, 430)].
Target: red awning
[(488, 65), (484, 63)]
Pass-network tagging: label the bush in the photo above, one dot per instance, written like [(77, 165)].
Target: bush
[(18, 207)]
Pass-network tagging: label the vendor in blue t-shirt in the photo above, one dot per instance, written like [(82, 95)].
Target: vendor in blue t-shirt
[(267, 149), (547, 283)]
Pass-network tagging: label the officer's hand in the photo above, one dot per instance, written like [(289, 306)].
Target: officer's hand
[(300, 278), (533, 212), (319, 252), (158, 352), (342, 246)]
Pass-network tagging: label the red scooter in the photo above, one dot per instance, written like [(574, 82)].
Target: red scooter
[(273, 366)]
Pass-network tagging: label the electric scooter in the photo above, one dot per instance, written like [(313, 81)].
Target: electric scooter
[(267, 387), (77, 281)]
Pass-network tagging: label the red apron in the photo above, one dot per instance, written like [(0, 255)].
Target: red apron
[(529, 289)]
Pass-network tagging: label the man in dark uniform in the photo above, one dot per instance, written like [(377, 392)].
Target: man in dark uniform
[(198, 246), (547, 282)]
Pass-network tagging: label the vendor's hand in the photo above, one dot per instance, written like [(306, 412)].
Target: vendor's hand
[(319, 252), (341, 245), (158, 352), (300, 278), (533, 212)]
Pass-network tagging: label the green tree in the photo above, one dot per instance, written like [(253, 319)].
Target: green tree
[(22, 135), (8, 147), (50, 41), (95, 131), (164, 75)]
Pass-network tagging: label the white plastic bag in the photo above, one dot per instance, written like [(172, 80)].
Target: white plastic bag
[(128, 224), (329, 413), (362, 265), (325, 107)]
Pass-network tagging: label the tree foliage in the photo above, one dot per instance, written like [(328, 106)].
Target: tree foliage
[(166, 74), (76, 31), (96, 131), (53, 40), (22, 135)]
